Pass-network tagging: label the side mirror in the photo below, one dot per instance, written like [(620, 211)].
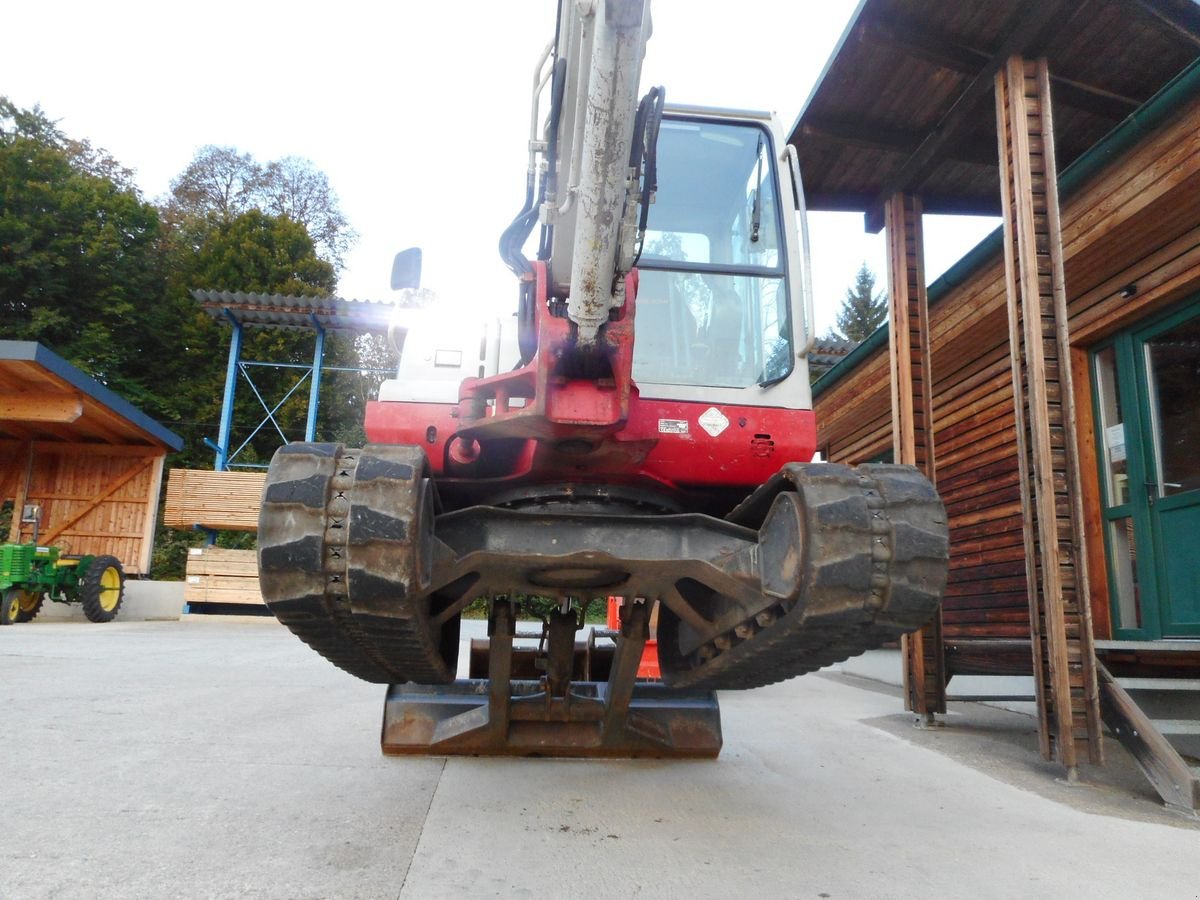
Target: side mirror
[(406, 269)]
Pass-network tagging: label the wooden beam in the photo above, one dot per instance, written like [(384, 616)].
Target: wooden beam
[(1055, 548), (1184, 22), (1022, 28), (22, 494), (1098, 597), (874, 136), (1176, 782), (48, 407), (912, 421), (1093, 99), (11, 467), (943, 205), (151, 521), (944, 50), (934, 46), (76, 448)]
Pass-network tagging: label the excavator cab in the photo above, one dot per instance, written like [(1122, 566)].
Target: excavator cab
[(714, 309)]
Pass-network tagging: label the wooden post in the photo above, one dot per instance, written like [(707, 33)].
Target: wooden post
[(21, 495), (912, 422), (150, 522), (1055, 563)]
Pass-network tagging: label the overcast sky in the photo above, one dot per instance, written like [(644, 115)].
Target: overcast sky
[(417, 110)]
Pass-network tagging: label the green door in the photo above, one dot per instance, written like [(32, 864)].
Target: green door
[(1147, 388)]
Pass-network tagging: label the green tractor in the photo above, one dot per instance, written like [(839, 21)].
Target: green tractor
[(29, 574)]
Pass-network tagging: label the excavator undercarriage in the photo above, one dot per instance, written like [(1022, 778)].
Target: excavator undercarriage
[(819, 564)]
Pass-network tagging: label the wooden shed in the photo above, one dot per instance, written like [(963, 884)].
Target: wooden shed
[(1048, 383), (91, 460)]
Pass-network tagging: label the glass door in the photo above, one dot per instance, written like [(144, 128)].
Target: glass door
[(1146, 384), (1169, 356)]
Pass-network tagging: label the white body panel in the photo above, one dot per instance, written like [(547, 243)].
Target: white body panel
[(438, 350)]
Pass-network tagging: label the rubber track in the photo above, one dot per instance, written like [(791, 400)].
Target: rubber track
[(327, 513), (876, 560)]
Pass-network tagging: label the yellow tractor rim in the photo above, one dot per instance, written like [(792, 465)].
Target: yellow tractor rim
[(27, 600), (14, 605), (110, 589)]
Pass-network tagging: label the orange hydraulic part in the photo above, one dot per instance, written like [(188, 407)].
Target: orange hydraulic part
[(648, 667)]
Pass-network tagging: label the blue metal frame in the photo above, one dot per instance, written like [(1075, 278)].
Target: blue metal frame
[(221, 463), (224, 453), (314, 393)]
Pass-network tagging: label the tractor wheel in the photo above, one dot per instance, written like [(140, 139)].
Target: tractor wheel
[(31, 605), (10, 606), (102, 589)]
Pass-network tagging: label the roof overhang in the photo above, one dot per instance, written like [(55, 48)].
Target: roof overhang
[(906, 101), (46, 399)]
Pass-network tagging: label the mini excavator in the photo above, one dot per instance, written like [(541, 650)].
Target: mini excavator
[(641, 429)]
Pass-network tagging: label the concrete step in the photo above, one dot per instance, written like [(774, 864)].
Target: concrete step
[(1160, 684), (1170, 646), (1177, 726)]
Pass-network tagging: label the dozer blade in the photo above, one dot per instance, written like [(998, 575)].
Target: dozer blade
[(455, 720), (553, 716)]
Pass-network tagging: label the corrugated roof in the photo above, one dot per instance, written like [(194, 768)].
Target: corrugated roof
[(906, 101), (35, 379), (296, 312)]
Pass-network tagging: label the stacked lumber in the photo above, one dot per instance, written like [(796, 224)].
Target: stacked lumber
[(225, 501), (217, 575)]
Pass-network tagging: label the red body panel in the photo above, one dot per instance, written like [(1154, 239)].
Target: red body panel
[(756, 443), (590, 429)]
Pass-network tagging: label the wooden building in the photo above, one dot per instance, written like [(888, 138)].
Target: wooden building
[(1049, 383), (88, 458)]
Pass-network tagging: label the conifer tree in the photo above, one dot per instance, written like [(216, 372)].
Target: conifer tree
[(863, 310)]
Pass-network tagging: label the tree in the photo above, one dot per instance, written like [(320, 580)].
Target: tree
[(80, 268), (90, 269), (863, 310), (253, 253), (220, 184), (292, 187), (261, 253)]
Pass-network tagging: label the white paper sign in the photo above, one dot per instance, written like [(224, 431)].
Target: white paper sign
[(1114, 438)]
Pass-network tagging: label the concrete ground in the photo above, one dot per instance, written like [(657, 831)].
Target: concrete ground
[(143, 601), (223, 758)]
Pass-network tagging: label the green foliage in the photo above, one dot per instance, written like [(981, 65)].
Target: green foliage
[(256, 252), (535, 608), (222, 183), (80, 268), (863, 310), (103, 278)]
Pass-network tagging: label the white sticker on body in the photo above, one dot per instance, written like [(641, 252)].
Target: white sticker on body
[(672, 426), (713, 421)]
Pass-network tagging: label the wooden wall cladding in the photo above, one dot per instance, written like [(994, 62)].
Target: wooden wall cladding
[(1137, 222), (95, 499)]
